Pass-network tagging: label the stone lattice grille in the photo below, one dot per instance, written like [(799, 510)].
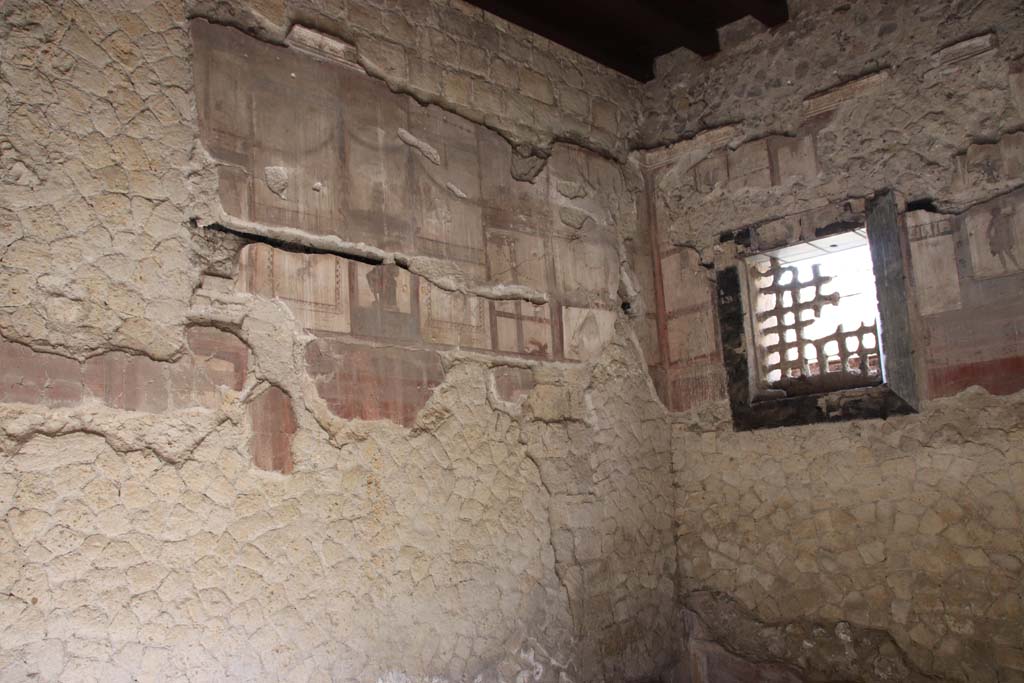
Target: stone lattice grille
[(782, 321)]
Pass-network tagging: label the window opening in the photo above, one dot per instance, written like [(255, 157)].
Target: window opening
[(814, 317)]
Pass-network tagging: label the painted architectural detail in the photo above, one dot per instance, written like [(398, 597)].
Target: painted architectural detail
[(373, 383), (358, 162), (314, 286), (273, 428), (933, 256), (214, 361)]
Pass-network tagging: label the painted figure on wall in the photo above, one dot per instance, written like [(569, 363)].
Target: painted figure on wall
[(1002, 240)]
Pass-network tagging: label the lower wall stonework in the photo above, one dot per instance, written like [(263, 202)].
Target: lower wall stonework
[(521, 530), (873, 550)]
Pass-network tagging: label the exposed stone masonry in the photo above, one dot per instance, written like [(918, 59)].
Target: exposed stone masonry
[(273, 415), (896, 526)]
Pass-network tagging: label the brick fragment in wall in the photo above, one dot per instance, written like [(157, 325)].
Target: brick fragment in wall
[(273, 425), (373, 383), (952, 59), (126, 381)]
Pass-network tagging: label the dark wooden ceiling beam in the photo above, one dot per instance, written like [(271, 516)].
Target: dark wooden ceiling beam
[(768, 12), (559, 23), (627, 35)]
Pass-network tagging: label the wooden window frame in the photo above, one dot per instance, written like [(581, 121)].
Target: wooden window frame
[(898, 392)]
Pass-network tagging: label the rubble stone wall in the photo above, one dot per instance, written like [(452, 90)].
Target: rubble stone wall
[(872, 550), (326, 331)]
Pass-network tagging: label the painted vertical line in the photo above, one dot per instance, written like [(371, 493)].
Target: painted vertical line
[(659, 284)]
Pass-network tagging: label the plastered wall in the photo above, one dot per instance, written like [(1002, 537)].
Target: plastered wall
[(437, 396), (875, 550), (243, 440)]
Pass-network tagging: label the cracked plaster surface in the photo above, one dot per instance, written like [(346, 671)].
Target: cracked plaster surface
[(949, 85), (491, 541), (146, 546), (909, 526)]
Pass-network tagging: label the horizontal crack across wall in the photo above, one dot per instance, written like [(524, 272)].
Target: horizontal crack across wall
[(442, 274)]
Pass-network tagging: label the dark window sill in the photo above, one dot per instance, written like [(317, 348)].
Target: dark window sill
[(834, 406)]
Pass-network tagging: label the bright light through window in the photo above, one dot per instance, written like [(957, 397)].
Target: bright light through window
[(815, 315)]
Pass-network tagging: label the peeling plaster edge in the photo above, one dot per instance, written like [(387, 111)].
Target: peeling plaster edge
[(439, 273), (125, 431), (534, 145)]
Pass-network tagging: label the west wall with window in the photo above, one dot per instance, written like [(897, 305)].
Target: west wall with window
[(900, 539)]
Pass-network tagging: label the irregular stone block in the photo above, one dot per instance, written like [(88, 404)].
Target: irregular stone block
[(551, 402), (273, 425)]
